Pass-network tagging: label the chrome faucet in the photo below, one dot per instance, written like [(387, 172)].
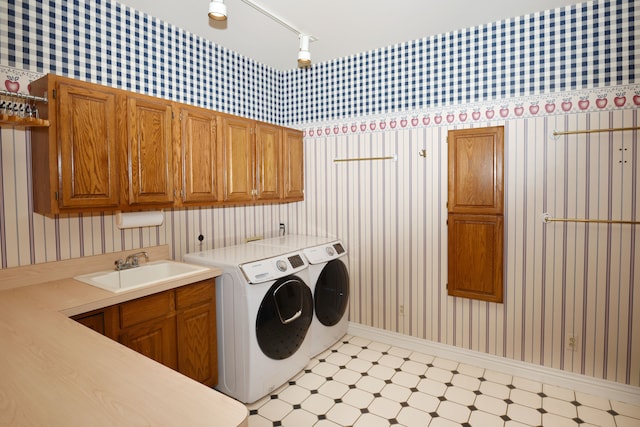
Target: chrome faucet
[(131, 261)]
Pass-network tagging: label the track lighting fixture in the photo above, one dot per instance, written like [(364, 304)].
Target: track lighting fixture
[(217, 10), (304, 56)]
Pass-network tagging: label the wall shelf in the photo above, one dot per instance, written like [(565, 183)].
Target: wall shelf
[(15, 121), (11, 98)]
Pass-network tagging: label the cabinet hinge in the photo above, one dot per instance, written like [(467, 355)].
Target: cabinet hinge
[(56, 195), (447, 204), (54, 94), (180, 116)]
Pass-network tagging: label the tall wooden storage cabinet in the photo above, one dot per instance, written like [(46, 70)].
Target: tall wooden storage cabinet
[(475, 213)]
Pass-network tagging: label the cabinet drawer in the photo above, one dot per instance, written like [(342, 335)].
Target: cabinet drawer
[(195, 294), (147, 308)]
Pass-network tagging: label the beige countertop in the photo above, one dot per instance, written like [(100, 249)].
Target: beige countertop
[(56, 372)]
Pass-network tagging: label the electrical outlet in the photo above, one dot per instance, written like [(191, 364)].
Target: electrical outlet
[(572, 342)]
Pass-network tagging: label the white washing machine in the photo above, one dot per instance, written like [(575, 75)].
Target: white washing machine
[(264, 309), (329, 281)]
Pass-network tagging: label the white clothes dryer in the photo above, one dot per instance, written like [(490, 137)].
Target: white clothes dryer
[(264, 309), (329, 281)]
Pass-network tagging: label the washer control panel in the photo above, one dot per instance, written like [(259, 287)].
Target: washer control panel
[(324, 253), (274, 268)]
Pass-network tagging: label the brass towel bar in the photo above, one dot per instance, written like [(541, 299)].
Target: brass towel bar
[(573, 132), (546, 218), (360, 159)]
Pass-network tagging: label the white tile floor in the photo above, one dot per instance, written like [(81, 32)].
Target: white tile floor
[(368, 384)]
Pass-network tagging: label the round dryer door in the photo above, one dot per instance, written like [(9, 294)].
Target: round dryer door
[(332, 293), (284, 317)]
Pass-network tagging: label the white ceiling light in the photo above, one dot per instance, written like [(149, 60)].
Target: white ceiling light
[(217, 10), (304, 56)]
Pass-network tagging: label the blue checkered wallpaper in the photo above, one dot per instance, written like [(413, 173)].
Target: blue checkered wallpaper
[(104, 42), (582, 46)]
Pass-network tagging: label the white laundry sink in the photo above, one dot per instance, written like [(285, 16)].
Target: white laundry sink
[(137, 277)]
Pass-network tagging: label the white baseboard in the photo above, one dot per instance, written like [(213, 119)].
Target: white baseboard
[(598, 387)]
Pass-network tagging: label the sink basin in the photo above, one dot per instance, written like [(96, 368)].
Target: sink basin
[(137, 277)]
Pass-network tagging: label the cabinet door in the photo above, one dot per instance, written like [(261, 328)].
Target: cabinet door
[(196, 322), (87, 140), (293, 165), (198, 143), (475, 170), (268, 181), (149, 150), (148, 326), (155, 339), (197, 351), (475, 256), (237, 157)]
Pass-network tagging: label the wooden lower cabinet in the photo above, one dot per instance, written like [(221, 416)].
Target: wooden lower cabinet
[(176, 328)]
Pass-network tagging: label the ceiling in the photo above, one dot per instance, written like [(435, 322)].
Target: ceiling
[(342, 27)]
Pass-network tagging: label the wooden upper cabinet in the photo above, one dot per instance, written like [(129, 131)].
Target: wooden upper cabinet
[(475, 170), (293, 165), (107, 149), (199, 156), (149, 150), (251, 158), (475, 220), (268, 161), (74, 161), (237, 158)]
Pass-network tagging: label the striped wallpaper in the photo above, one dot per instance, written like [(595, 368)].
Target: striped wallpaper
[(560, 279)]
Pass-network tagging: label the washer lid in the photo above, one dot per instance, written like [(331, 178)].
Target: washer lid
[(294, 242), (323, 253), (233, 256), (274, 268)]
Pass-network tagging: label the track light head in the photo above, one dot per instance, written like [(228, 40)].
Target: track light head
[(304, 56), (217, 10)]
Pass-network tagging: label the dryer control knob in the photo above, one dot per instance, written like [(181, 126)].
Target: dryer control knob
[(330, 251), (281, 265)]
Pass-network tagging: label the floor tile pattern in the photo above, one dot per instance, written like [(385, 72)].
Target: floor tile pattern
[(362, 383)]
